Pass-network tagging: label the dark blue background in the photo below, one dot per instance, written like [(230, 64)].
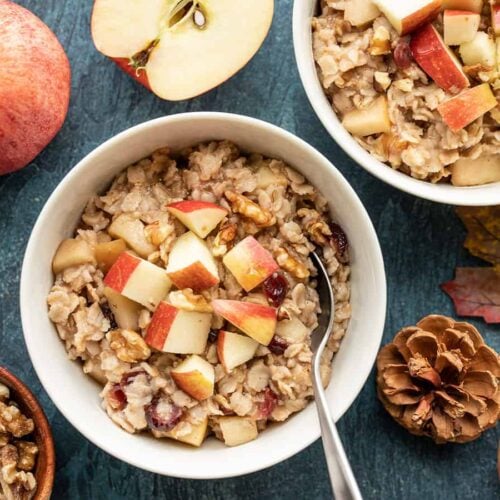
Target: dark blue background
[(421, 241)]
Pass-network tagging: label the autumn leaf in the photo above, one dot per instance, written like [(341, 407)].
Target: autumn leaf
[(483, 226), (475, 291)]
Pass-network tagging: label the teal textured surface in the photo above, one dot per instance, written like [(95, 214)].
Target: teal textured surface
[(421, 241)]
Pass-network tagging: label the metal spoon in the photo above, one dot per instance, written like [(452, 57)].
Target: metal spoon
[(342, 479)]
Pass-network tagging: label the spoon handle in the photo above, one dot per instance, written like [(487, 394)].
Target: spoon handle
[(342, 479)]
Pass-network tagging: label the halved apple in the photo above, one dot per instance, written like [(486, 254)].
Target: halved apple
[(107, 253), (181, 48), (233, 350), (482, 170), (70, 253), (178, 331), (250, 263), (125, 311), (463, 109), (200, 217), (131, 230), (373, 119), (437, 60), (472, 5), (194, 438), (195, 376), (237, 430), (460, 26), (408, 15), (256, 320), (360, 12), (138, 280), (191, 264)]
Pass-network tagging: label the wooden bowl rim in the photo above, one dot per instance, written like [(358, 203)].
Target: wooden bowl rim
[(43, 435)]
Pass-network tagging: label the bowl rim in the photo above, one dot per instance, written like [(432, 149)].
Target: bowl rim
[(483, 195), (143, 128), (26, 399)]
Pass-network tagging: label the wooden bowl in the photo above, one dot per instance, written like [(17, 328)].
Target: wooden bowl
[(45, 465)]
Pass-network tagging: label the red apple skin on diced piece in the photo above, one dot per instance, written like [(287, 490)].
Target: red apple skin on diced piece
[(177, 331), (200, 217), (256, 320), (34, 86), (463, 109), (195, 376), (460, 26), (437, 60), (250, 263), (233, 349), (408, 15), (495, 19), (472, 5)]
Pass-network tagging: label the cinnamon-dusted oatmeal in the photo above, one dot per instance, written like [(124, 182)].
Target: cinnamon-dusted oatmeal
[(437, 125), (195, 308), (17, 452)]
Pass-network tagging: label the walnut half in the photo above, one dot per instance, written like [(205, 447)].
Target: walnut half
[(290, 264), (245, 206), (128, 345)]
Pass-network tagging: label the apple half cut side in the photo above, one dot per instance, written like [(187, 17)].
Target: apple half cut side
[(181, 48)]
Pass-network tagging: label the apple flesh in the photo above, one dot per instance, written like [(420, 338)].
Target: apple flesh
[(195, 376), (181, 48), (237, 430), (292, 330), (256, 320), (107, 253), (408, 15), (482, 170), (495, 19), (371, 120), (460, 26), (360, 12), (177, 331), (34, 86), (194, 438), (250, 263), (125, 311), (200, 217), (131, 230), (437, 60), (138, 280), (471, 5), (480, 50), (191, 264), (233, 349), (71, 253), (463, 109)]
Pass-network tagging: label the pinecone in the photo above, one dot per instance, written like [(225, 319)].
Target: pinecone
[(439, 379)]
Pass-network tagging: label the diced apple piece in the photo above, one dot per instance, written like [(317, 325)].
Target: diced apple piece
[(191, 264), (408, 15), (498, 54), (266, 177), (360, 12), (138, 280), (460, 26), (200, 217), (233, 350), (178, 331), (194, 438), (463, 109), (195, 376), (480, 50), (437, 60), (292, 330), (495, 19), (256, 320), (125, 311), (107, 253), (72, 253), (483, 170), (472, 5), (372, 120), (237, 430), (131, 229), (250, 263)]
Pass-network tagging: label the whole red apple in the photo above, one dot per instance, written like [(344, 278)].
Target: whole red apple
[(34, 86)]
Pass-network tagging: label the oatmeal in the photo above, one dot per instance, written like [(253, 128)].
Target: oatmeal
[(421, 98), (17, 452), (187, 292)]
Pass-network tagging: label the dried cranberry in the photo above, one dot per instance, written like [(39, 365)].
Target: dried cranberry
[(128, 377), (162, 416), (277, 345), (275, 289), (117, 398), (338, 239), (108, 314), (268, 404), (402, 55), (213, 335)]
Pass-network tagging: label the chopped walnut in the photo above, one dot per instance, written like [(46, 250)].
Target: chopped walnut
[(383, 80), (128, 345), (27, 452), (242, 205), (290, 264), (157, 232), (224, 239), (14, 422), (189, 301), (4, 392), (381, 42), (315, 225)]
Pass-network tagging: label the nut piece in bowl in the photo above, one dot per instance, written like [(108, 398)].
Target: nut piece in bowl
[(140, 324)]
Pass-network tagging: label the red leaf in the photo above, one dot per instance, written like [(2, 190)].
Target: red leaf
[(475, 291)]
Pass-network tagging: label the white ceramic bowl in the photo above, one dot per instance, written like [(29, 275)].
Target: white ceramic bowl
[(77, 396), (303, 11)]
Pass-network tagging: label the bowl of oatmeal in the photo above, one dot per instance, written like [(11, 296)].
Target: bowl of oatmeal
[(410, 91), (167, 283)]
